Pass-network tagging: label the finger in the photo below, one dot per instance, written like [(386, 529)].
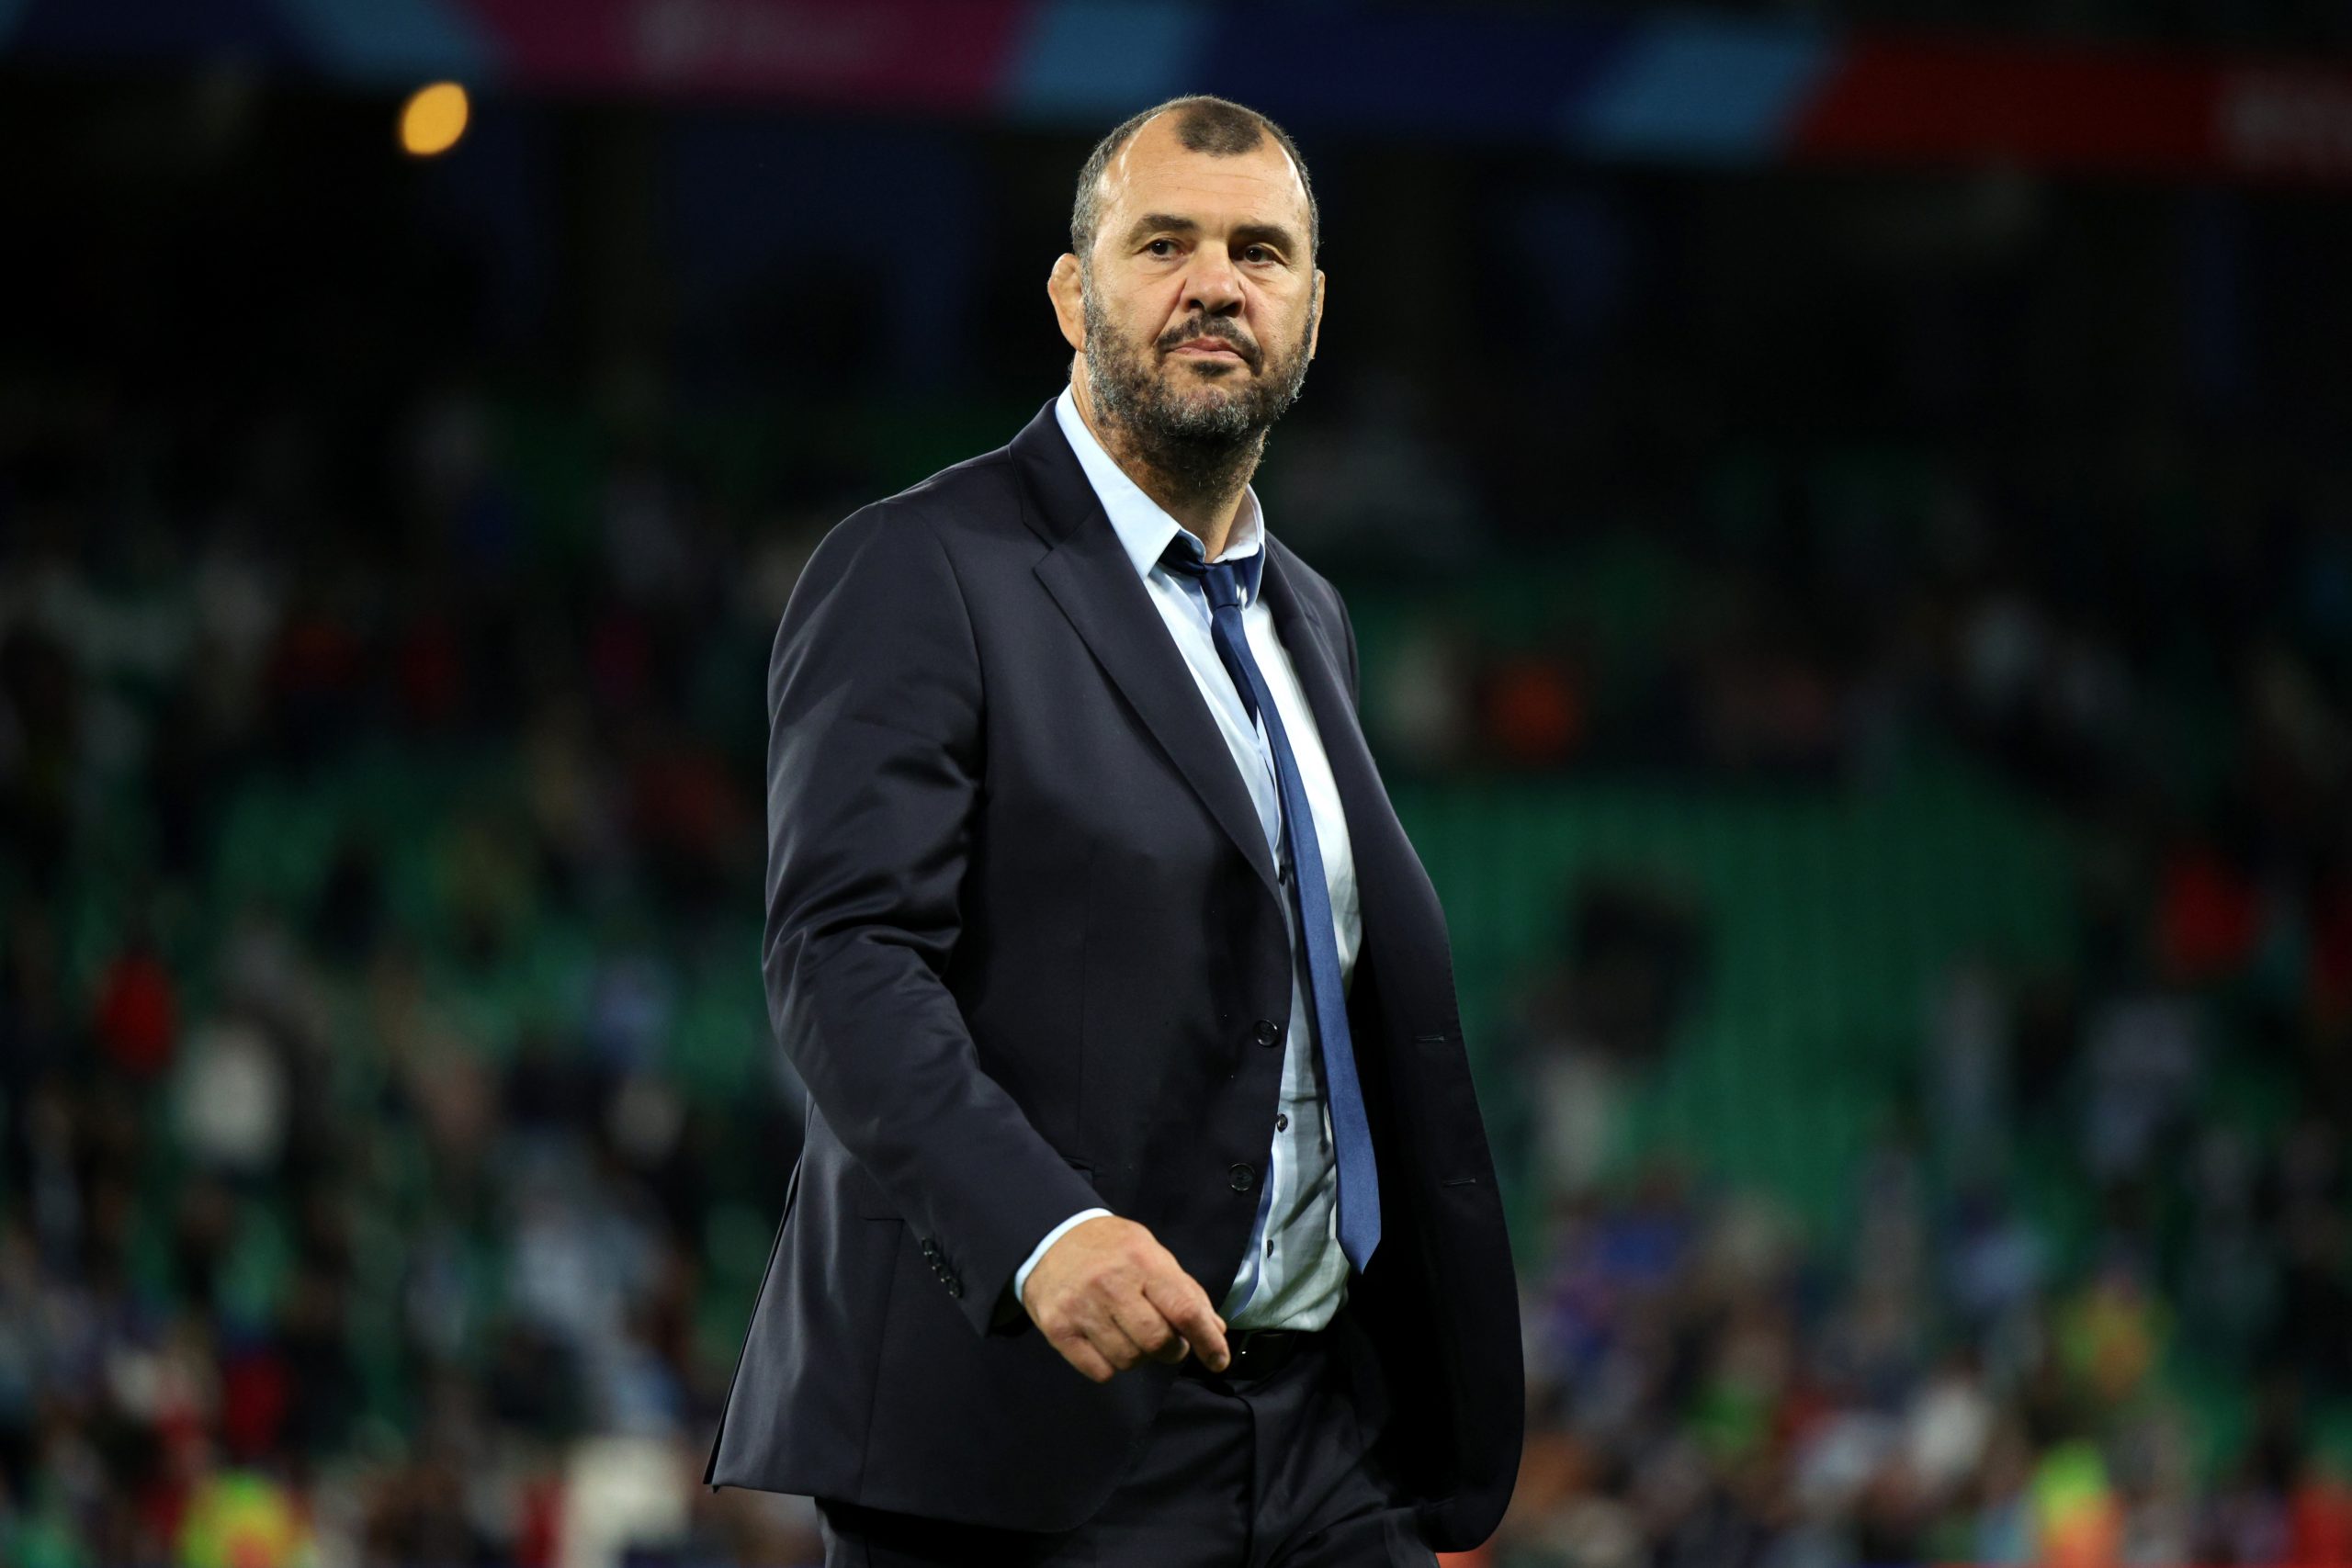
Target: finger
[(1114, 1342), (1084, 1357), (1181, 1299), (1143, 1323)]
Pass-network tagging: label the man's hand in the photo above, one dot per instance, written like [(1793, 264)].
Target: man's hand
[(1107, 1295)]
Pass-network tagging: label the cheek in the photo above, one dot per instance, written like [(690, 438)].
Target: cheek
[(1144, 314), (1277, 318), (1284, 329)]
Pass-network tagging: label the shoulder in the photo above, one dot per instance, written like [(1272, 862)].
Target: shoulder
[(963, 497), (929, 524), (922, 525)]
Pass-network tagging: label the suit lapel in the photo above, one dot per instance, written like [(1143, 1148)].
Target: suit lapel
[(1091, 579), (1316, 648)]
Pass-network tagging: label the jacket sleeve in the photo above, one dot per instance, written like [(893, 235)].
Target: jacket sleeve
[(874, 759)]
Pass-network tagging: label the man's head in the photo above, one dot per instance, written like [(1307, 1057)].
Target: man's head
[(1190, 292)]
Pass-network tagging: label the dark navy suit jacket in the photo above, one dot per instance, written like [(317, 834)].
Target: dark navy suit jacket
[(1024, 946)]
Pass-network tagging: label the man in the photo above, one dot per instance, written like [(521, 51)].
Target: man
[(1144, 1214)]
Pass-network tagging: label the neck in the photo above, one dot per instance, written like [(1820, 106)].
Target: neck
[(1200, 486)]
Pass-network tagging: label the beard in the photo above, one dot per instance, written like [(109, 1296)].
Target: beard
[(1200, 445)]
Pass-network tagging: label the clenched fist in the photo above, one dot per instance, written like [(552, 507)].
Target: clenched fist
[(1107, 1294)]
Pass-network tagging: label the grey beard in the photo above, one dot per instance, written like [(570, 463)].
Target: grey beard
[(1201, 452)]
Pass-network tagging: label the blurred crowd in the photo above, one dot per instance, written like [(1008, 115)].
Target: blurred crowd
[(1711, 1393), (318, 1244), (2091, 1304)]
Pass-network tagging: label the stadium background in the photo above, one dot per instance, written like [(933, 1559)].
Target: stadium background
[(1849, 523)]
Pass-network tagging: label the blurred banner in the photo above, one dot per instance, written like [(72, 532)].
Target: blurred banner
[(1676, 87)]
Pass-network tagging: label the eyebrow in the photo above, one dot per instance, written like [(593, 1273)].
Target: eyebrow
[(1273, 234)]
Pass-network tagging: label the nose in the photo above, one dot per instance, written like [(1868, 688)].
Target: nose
[(1211, 286)]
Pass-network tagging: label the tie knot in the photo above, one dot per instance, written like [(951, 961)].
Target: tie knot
[(1216, 577)]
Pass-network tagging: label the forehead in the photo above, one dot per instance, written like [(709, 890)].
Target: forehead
[(1155, 172)]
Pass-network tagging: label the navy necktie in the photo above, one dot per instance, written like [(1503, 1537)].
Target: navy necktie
[(1311, 899)]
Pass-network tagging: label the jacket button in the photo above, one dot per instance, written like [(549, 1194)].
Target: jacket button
[(1269, 1031), (1244, 1179)]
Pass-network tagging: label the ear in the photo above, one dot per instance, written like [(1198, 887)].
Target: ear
[(1315, 327), (1064, 288)]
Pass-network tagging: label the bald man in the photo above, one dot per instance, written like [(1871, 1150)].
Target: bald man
[(1144, 1214)]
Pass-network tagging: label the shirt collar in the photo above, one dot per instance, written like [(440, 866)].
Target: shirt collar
[(1143, 526)]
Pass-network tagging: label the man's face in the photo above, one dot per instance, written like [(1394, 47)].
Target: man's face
[(1198, 306)]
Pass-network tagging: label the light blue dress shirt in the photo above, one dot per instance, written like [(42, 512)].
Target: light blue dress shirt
[(1294, 1276)]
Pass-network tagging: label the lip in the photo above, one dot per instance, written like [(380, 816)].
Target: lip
[(1208, 347)]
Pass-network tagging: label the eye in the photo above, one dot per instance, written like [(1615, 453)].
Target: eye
[(1153, 247), (1256, 253)]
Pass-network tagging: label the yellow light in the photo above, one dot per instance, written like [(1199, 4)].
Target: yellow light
[(434, 118)]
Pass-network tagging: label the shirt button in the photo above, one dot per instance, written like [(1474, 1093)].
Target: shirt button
[(1244, 1177), (1269, 1031), (1282, 1121), (1269, 1246)]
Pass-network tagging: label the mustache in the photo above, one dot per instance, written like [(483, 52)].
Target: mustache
[(1219, 329)]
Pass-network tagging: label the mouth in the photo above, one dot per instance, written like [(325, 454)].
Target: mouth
[(1209, 348)]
